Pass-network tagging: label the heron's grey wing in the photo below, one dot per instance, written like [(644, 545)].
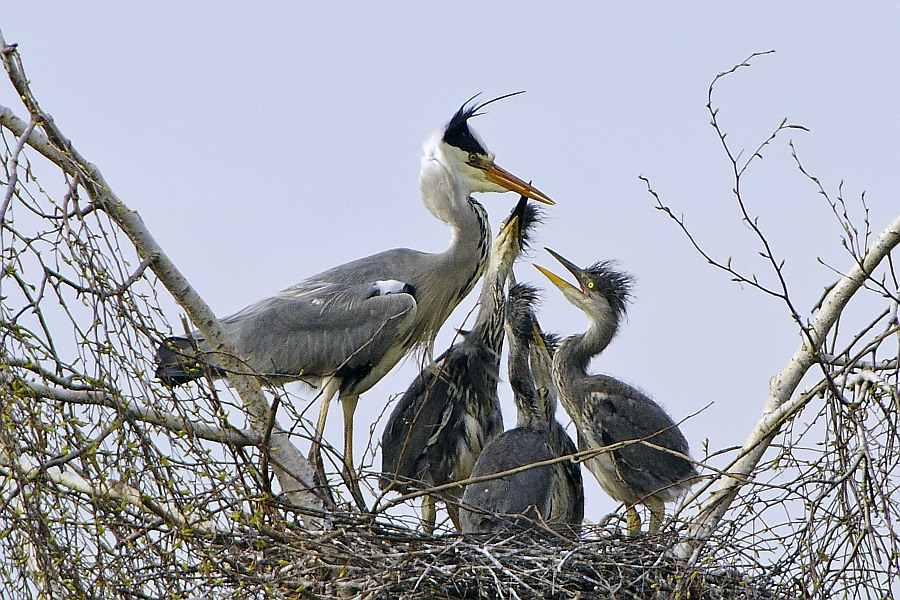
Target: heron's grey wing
[(567, 500), (474, 417), (419, 413), (346, 328), (445, 418), (495, 504), (621, 414)]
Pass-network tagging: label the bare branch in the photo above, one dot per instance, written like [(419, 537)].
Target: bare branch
[(781, 402), (231, 436), (115, 491), (294, 472)]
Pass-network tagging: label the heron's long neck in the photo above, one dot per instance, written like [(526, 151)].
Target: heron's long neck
[(571, 360), (467, 256), (521, 380), (488, 327), (456, 270)]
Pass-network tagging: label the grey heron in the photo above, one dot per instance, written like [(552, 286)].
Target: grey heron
[(551, 494), (654, 468), (451, 409), (343, 329)]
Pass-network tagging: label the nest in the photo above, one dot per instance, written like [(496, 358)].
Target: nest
[(378, 560)]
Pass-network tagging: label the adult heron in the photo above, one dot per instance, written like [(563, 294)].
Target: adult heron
[(650, 464), (343, 330), (451, 409), (551, 495)]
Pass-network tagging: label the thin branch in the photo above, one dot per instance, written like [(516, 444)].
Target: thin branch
[(14, 169), (116, 491), (781, 389), (292, 468), (104, 294), (231, 436)]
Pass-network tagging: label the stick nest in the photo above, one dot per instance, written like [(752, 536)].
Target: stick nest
[(377, 560)]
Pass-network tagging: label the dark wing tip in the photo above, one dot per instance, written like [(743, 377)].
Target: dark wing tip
[(173, 366)]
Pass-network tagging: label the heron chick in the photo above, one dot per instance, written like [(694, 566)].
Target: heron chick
[(451, 409), (551, 495), (344, 329), (650, 464)]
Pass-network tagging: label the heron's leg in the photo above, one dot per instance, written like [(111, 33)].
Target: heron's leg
[(328, 388), (632, 522), (348, 403), (429, 514), (452, 498), (453, 511), (657, 512), (327, 391)]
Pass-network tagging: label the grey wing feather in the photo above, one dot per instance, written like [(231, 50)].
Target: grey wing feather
[(291, 336), (431, 436), (623, 413), (568, 500), (344, 318), (420, 413), (496, 504)]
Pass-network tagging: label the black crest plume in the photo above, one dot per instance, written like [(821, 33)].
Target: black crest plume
[(457, 133)]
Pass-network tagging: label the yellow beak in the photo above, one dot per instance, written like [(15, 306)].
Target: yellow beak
[(556, 280)]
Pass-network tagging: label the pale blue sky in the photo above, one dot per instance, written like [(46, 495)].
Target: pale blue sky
[(263, 145)]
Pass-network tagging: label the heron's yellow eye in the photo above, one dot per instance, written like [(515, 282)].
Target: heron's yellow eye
[(473, 159), (590, 285)]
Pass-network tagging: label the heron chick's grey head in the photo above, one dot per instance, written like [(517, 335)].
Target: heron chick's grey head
[(520, 317), (515, 232), (530, 356), (473, 164), (603, 293)]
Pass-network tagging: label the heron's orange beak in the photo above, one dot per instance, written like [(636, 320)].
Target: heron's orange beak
[(497, 174)]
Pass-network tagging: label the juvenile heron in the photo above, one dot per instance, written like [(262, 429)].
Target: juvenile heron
[(655, 468), (342, 330), (553, 494), (451, 409)]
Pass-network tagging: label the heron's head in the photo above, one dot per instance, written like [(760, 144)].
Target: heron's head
[(467, 156), (515, 232), (602, 291), (526, 337), (521, 302)]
